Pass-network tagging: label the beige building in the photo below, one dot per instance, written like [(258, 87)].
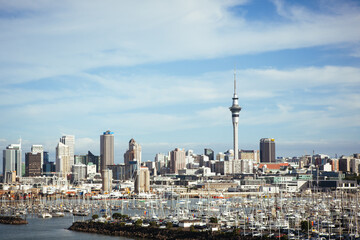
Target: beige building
[(250, 155), (107, 149), (132, 158), (142, 180), (106, 175), (177, 160)]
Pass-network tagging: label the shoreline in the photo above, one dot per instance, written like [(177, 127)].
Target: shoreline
[(12, 220), (136, 232)]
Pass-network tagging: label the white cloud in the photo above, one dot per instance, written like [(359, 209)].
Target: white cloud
[(51, 39)]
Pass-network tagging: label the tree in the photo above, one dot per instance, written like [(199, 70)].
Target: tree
[(169, 225), (95, 216), (153, 224), (117, 216), (213, 220), (138, 223), (192, 228)]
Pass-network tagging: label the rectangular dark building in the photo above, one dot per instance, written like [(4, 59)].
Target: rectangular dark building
[(267, 150), (32, 164), (210, 153)]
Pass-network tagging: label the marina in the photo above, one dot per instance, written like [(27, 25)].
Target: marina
[(322, 215)]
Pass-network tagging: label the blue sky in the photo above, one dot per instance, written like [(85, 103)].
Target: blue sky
[(161, 72)]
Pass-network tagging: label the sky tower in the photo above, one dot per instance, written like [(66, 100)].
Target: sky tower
[(235, 110)]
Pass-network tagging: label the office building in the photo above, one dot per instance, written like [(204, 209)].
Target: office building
[(38, 149), (78, 172), (12, 160), (107, 149), (210, 153), (33, 164), (91, 158), (132, 157), (267, 150), (69, 140), (62, 159), (250, 155), (177, 160), (106, 180), (142, 180)]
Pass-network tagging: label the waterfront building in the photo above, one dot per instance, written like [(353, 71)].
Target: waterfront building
[(38, 149), (177, 160), (210, 153), (106, 180), (69, 140), (142, 180), (12, 160), (107, 149), (62, 159), (133, 154), (267, 150), (33, 164)]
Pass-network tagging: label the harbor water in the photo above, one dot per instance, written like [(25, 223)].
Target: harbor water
[(54, 228)]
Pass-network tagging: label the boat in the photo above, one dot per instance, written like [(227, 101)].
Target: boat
[(45, 215)]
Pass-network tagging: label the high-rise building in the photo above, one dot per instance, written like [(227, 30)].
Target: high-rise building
[(177, 160), (12, 160), (107, 149), (69, 140), (210, 153), (91, 158), (267, 150), (133, 154), (235, 111), (142, 180), (33, 164), (62, 159), (106, 180), (38, 149)]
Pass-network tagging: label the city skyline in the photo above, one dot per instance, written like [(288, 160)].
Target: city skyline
[(164, 75)]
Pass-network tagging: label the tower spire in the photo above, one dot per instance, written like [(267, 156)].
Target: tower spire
[(234, 79)]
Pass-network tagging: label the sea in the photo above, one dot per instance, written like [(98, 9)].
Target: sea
[(53, 228)]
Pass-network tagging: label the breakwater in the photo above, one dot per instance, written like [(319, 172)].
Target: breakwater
[(12, 220), (115, 229)]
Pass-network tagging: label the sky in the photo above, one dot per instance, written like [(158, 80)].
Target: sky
[(162, 72)]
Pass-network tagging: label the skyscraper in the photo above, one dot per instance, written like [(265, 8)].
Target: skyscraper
[(33, 164), (235, 110), (132, 158), (12, 159), (177, 160), (69, 140), (107, 149), (38, 149), (62, 159), (210, 153), (267, 150)]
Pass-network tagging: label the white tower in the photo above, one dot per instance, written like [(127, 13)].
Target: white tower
[(235, 110)]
